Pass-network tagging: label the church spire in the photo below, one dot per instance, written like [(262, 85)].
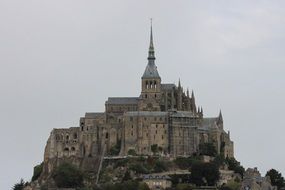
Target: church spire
[(151, 69), (151, 56)]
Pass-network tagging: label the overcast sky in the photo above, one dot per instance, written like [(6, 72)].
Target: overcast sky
[(62, 58)]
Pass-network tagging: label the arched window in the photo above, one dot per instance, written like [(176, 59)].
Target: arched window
[(145, 96), (67, 137), (74, 135), (72, 148), (155, 84), (150, 84)]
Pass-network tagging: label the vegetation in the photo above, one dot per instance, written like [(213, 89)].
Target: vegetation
[(276, 178), (130, 185), (204, 173), (154, 149), (115, 150), (19, 186), (132, 152), (68, 176), (232, 185), (37, 171), (208, 149), (234, 165), (184, 163)]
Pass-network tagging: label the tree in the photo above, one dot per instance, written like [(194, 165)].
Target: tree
[(67, 176), (234, 165), (132, 152), (37, 171), (19, 186), (204, 173), (127, 176), (154, 148), (276, 178), (208, 149)]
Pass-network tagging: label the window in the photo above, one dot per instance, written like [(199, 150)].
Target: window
[(162, 137), (145, 96), (131, 118), (75, 136)]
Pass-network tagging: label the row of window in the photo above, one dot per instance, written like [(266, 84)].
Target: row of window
[(150, 85)]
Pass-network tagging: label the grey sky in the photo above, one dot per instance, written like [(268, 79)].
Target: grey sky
[(56, 56)]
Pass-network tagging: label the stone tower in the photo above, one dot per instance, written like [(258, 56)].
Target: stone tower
[(151, 83)]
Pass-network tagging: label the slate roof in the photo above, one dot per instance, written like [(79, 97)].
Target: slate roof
[(146, 113), (151, 71), (167, 86), (208, 123), (182, 114), (122, 100), (149, 176)]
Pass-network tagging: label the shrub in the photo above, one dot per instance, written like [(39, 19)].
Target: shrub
[(68, 176), (37, 171), (208, 149), (19, 186), (204, 173)]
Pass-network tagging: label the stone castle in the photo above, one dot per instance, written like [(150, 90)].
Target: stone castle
[(163, 115)]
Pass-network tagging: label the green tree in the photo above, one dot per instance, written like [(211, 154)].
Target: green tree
[(234, 165), (208, 149), (19, 186), (204, 173), (127, 176), (67, 175), (37, 171), (132, 152), (154, 148), (276, 178)]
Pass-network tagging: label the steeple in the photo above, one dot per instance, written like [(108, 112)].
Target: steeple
[(151, 69), (220, 118), (151, 47)]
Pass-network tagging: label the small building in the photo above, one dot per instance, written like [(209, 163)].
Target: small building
[(157, 181), (254, 181)]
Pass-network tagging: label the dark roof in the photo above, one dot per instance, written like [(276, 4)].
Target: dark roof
[(208, 123), (122, 100), (92, 115), (167, 86), (149, 176), (151, 71), (146, 113)]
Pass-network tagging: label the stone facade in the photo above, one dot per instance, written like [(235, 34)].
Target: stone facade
[(163, 115), (254, 181)]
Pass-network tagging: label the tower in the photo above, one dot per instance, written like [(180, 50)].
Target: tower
[(150, 82)]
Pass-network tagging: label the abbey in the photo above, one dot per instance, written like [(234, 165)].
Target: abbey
[(162, 116)]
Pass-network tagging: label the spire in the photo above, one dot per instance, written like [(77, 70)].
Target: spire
[(220, 118), (151, 47), (151, 69), (179, 84), (192, 95), (187, 92)]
